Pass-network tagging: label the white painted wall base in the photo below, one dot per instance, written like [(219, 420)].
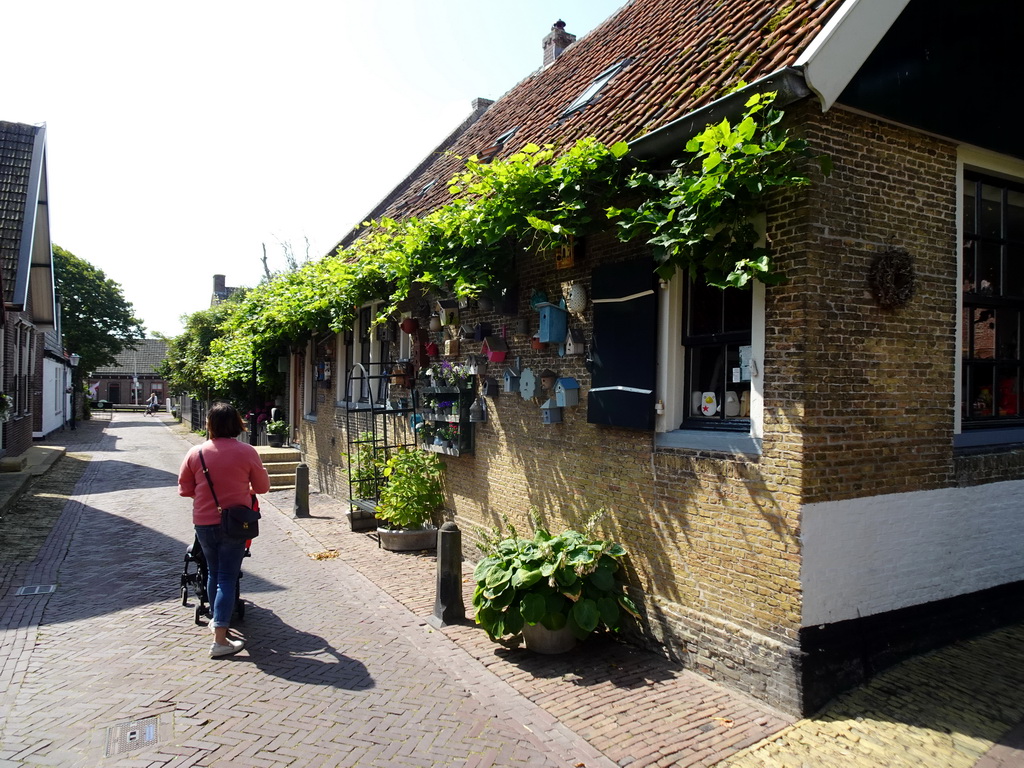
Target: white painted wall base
[(867, 556)]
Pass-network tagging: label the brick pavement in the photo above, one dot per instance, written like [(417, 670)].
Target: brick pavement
[(342, 669)]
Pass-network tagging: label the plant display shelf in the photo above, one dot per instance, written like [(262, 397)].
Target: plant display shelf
[(461, 398)]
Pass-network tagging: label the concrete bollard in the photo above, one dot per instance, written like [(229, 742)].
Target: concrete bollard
[(302, 491), (448, 607)]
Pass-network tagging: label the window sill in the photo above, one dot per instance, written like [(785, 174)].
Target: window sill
[(309, 417), (717, 441), (988, 438)]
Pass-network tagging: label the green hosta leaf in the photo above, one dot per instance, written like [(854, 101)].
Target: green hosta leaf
[(532, 607), (525, 578), (608, 607), (628, 605), (554, 621), (602, 578), (586, 615)]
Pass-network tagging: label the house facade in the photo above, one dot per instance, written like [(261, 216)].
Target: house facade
[(35, 371), (133, 377), (813, 479)]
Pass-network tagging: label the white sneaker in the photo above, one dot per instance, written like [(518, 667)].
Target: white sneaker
[(233, 646)]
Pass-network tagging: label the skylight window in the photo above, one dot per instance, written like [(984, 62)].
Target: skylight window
[(499, 144), (595, 88)]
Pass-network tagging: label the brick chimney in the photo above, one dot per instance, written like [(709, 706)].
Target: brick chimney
[(219, 285), (556, 42)]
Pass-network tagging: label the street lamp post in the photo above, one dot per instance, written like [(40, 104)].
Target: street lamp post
[(74, 360)]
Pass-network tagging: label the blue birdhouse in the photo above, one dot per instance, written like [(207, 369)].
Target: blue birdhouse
[(554, 322), (550, 413), (567, 392), (511, 377)]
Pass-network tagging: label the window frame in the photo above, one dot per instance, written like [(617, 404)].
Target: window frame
[(672, 392), (970, 160)]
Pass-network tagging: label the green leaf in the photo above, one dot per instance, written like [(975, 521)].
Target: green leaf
[(532, 607), (585, 614)]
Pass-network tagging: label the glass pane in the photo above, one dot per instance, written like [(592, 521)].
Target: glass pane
[(738, 309), (704, 309), (970, 253), (970, 200), (1007, 334), (706, 380), (1015, 215), (981, 391), (982, 333), (1014, 270), (989, 258), (991, 211), (1007, 402)]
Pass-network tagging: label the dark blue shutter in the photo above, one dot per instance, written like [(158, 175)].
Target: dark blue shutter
[(623, 350)]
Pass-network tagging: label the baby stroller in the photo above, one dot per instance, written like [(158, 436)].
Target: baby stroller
[(193, 579)]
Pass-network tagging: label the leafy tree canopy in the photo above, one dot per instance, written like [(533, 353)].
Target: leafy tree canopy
[(98, 322)]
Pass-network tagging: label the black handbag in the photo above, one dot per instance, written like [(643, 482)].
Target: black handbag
[(237, 522)]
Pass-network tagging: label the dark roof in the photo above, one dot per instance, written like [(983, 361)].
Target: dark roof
[(16, 147), (144, 359), (680, 55)]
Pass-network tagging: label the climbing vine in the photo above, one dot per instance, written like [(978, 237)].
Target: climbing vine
[(696, 217)]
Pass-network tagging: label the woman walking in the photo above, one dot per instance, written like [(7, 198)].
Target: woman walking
[(237, 474)]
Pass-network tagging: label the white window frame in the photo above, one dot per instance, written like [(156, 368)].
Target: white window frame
[(971, 158), (673, 398)]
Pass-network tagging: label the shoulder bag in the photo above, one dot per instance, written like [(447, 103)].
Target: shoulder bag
[(237, 522)]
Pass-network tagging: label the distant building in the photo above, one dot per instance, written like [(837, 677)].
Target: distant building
[(133, 377), (221, 291)]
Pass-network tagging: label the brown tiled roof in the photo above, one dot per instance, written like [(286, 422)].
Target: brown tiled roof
[(144, 359), (16, 146), (682, 55)]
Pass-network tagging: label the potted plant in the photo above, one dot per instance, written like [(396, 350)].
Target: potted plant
[(411, 496), (554, 590), (276, 433), (5, 406)]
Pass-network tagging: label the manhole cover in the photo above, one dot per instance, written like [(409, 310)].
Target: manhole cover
[(37, 589), (124, 737)]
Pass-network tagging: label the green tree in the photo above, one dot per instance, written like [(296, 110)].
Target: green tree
[(98, 322)]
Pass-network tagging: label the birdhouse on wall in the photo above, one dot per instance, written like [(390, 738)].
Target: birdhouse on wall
[(481, 331), (451, 347), (476, 365), (550, 413), (567, 392), (448, 311), (494, 348), (511, 377), (574, 342), (554, 321), (490, 387)]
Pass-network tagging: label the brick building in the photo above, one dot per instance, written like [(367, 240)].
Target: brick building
[(133, 377), (34, 371), (851, 492)]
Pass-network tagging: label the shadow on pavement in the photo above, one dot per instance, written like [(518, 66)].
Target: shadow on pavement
[(280, 650)]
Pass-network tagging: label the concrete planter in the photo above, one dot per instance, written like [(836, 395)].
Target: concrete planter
[(395, 540), (540, 639)]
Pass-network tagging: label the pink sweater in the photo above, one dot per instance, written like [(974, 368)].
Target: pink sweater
[(237, 473)]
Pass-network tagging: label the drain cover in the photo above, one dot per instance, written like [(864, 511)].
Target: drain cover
[(124, 737), (37, 589)]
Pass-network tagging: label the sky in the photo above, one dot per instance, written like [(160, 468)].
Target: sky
[(184, 138)]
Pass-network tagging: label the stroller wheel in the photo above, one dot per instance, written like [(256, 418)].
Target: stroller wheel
[(184, 596), (240, 609), (199, 614)]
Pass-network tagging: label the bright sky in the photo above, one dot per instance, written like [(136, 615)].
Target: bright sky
[(183, 137)]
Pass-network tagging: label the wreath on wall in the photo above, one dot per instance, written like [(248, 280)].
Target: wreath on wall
[(892, 278)]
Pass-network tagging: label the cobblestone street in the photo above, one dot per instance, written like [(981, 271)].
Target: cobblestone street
[(340, 667)]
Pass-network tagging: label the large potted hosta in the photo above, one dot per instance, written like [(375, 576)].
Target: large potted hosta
[(412, 495), (554, 590)]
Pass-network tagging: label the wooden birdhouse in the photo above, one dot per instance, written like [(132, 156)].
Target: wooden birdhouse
[(451, 347), (481, 331), (495, 349), (448, 311), (476, 365), (490, 387), (550, 413), (511, 377), (554, 321), (567, 392), (574, 342)]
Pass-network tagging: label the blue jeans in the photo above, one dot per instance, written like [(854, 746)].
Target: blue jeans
[(223, 566)]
